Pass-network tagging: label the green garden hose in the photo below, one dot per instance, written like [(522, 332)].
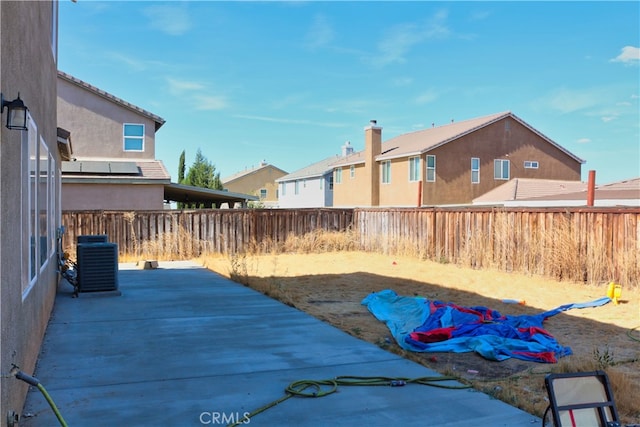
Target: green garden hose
[(321, 388), (630, 333), (34, 382)]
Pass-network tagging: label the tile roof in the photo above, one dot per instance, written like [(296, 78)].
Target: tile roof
[(424, 140), (157, 119), (316, 169), (249, 171), (527, 188), (620, 190)]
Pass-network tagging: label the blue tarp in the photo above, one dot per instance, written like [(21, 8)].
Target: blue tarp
[(421, 325)]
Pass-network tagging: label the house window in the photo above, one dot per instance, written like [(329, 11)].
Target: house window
[(39, 191), (386, 171), (331, 183), (32, 191), (297, 187), (133, 137), (414, 168), (431, 168), (321, 181), (531, 164), (263, 193), (501, 169), (475, 170), (304, 183), (284, 188), (43, 203), (338, 175), (352, 171)]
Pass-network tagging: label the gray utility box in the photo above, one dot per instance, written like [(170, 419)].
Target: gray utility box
[(97, 267)]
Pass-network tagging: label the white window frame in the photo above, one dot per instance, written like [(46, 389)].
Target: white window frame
[(430, 170), (475, 170), (352, 171), (296, 187), (501, 176), (130, 138), (338, 179), (385, 171), (531, 164), (43, 204), (30, 250), (263, 191), (414, 169), (284, 189)]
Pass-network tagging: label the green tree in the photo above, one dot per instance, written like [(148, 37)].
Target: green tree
[(181, 168), (203, 174)]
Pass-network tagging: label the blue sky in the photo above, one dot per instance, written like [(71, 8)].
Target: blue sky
[(290, 82)]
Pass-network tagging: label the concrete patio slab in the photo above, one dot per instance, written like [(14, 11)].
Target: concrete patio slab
[(183, 346)]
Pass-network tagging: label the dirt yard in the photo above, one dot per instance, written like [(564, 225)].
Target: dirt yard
[(331, 286)]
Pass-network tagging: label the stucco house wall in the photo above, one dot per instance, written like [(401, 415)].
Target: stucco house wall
[(28, 277), (79, 197), (506, 139), (96, 121), (450, 149)]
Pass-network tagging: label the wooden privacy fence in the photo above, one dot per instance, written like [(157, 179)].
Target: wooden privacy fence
[(189, 233), (583, 244)]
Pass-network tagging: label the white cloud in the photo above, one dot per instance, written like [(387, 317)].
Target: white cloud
[(607, 119), (402, 81), (629, 55), (583, 141), (172, 20), (209, 102), (426, 97), (196, 93), (179, 87), (321, 33), (399, 40), (288, 121), (568, 100)]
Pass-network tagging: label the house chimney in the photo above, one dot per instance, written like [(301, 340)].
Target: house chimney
[(591, 188), (347, 149), (372, 149)]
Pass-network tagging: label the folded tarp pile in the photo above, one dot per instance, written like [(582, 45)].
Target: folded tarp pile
[(421, 325)]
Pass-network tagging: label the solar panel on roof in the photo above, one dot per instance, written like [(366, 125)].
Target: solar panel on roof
[(100, 168), (124, 168)]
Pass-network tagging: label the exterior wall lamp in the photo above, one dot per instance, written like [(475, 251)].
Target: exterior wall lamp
[(16, 113)]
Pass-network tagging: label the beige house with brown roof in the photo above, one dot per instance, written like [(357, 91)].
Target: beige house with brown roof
[(259, 181), (29, 192), (113, 165), (450, 164)]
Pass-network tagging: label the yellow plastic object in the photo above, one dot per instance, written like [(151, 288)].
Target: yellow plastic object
[(617, 293), (610, 289)]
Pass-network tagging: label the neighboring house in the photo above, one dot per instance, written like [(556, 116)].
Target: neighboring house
[(114, 165), (259, 181), (29, 195), (517, 190), (620, 193), (449, 164), (311, 186)]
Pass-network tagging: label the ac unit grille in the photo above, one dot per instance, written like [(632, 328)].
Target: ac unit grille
[(97, 267), (92, 238)]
